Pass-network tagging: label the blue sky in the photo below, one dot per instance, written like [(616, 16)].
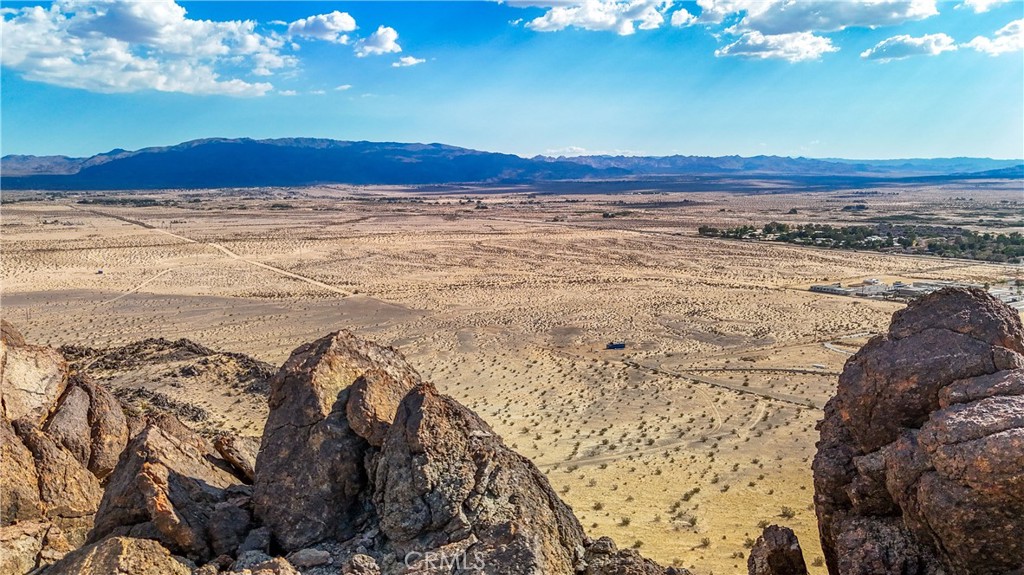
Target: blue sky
[(817, 78)]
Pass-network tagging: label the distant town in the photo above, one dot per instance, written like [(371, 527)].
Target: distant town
[(942, 241), (1010, 293)]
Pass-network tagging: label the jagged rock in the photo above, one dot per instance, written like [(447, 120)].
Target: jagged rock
[(776, 552), (249, 559), (69, 424), (164, 488), (22, 544), (444, 476), (373, 401), (882, 546), (90, 424), (604, 558), (276, 566), (360, 564), (228, 526), (31, 378), (69, 494), (10, 334), (308, 422), (306, 558), (918, 466), (971, 312), (19, 483), (240, 452), (120, 556), (257, 540)]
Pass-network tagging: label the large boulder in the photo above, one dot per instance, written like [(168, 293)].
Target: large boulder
[(68, 493), (19, 483), (120, 556), (918, 466), (776, 552), (165, 487), (240, 451), (31, 377), (445, 477), (90, 423), (312, 454)]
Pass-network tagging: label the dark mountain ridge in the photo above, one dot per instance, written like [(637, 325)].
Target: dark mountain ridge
[(223, 162)]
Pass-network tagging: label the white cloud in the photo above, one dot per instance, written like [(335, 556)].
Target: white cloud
[(343, 87), (794, 47), (288, 93), (1009, 38), (904, 46), (980, 6), (621, 17), (771, 17), (406, 61), (383, 41), (331, 27), (124, 46), (682, 18)]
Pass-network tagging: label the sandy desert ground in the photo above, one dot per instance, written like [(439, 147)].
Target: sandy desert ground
[(682, 444)]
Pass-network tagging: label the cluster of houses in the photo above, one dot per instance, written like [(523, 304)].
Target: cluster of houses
[(1010, 293)]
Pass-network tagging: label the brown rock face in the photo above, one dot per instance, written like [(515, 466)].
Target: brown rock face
[(120, 556), (240, 452), (90, 423), (310, 399), (603, 558), (68, 493), (444, 477), (776, 552), (19, 483), (22, 544), (31, 378), (918, 469), (166, 489)]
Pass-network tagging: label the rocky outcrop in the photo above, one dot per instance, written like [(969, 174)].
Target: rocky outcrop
[(918, 469), (445, 477), (90, 423), (604, 558), (48, 494), (165, 487), (19, 482), (776, 552), (240, 452), (68, 493), (31, 377), (310, 401), (120, 556)]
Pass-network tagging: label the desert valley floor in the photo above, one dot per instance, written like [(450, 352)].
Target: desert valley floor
[(681, 444)]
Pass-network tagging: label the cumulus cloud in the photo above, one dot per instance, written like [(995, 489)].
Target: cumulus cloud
[(343, 87), (124, 46), (980, 6), (682, 18), (794, 47), (383, 41), (904, 46), (406, 61), (621, 17), (786, 16), (1009, 38), (333, 27)]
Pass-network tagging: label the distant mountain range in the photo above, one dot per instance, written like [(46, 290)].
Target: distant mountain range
[(219, 162)]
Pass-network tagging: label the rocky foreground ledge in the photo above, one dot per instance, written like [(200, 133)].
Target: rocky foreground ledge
[(363, 468)]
